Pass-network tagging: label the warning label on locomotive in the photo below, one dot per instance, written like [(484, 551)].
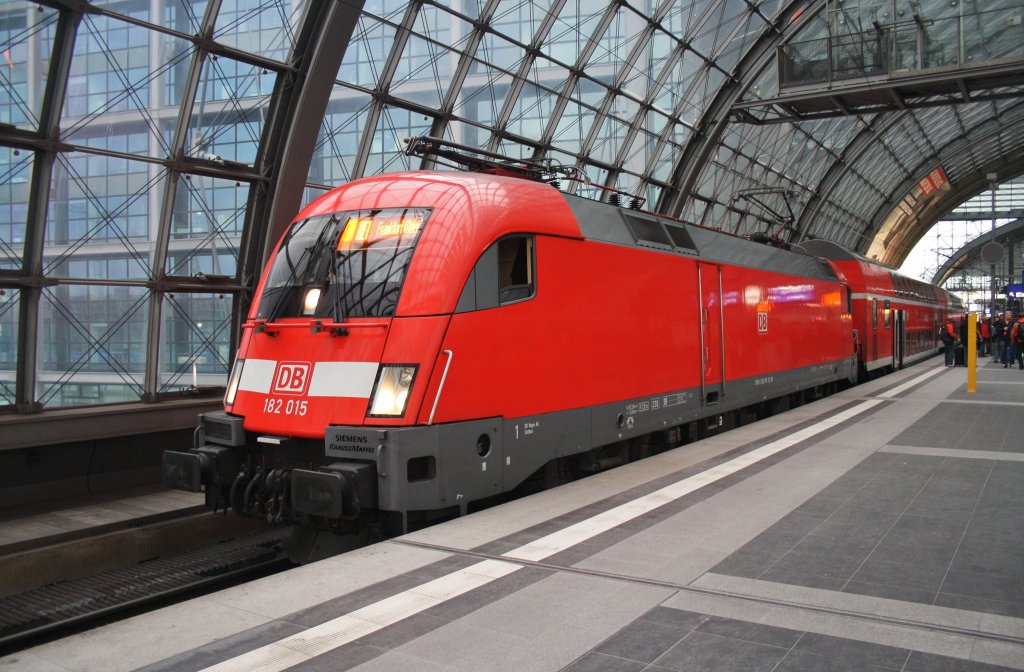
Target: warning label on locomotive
[(673, 399)]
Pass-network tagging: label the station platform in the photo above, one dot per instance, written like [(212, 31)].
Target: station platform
[(877, 529), (78, 537), (34, 525)]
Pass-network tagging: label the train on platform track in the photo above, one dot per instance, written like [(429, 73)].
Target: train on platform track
[(424, 342)]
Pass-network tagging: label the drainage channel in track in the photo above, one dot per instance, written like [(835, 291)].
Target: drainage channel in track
[(48, 610)]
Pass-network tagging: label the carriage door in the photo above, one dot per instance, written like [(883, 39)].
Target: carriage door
[(712, 332), (899, 338)]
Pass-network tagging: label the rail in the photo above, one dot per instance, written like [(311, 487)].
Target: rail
[(57, 608)]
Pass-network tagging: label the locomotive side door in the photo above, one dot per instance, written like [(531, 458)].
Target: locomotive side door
[(712, 332)]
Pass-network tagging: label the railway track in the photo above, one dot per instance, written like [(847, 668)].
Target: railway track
[(58, 608)]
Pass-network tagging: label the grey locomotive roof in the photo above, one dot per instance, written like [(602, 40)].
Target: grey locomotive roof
[(612, 224)]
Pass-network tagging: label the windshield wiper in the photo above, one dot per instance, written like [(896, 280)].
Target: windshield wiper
[(311, 255)]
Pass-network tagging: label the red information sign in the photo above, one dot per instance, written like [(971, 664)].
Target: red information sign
[(934, 181)]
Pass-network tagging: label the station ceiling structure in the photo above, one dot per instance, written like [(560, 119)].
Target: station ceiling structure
[(998, 254), (152, 151)]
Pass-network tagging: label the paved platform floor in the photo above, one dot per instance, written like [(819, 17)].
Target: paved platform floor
[(37, 525), (878, 529)]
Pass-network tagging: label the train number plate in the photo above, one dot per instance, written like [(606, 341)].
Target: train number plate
[(275, 406)]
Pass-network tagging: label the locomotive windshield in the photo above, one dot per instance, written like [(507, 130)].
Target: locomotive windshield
[(343, 265)]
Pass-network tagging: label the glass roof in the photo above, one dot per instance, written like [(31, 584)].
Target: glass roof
[(150, 148)]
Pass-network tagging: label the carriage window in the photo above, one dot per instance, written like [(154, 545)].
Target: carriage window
[(888, 313), (874, 313), (515, 269)]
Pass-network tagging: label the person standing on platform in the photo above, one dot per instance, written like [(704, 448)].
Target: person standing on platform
[(984, 333), (948, 336), (998, 343), (1017, 342), (1008, 346), (961, 343)]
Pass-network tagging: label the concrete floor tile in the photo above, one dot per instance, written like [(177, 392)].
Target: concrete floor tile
[(347, 657), (804, 661), (680, 619), (569, 600), (901, 575), (928, 526), (215, 651), (995, 526), (453, 647), (485, 595), (980, 605), (802, 579), (1006, 588), (404, 631), (23, 662), (308, 587), (818, 562), (847, 654), (750, 632), (927, 662), (994, 558), (940, 544), (1011, 627), (889, 592), (1000, 654), (956, 511), (157, 636), (391, 661), (599, 662), (774, 542), (642, 641), (701, 652), (877, 522), (937, 559), (750, 565)]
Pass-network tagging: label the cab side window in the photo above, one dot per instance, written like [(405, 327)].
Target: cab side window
[(515, 269), (505, 273)]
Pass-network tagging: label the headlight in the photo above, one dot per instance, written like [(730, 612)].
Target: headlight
[(233, 380), (391, 393), (311, 301)]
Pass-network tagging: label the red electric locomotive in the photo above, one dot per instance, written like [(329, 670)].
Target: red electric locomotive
[(426, 340)]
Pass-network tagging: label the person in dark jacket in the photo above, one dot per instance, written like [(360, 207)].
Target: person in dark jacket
[(1017, 342), (961, 344), (997, 336), (948, 336)]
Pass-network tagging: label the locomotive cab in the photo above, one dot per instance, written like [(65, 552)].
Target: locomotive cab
[(335, 404)]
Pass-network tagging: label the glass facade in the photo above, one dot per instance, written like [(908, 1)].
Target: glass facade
[(130, 231), (137, 141), (952, 252)]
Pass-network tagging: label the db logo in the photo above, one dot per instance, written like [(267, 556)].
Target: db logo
[(291, 378)]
